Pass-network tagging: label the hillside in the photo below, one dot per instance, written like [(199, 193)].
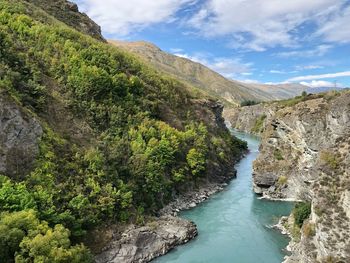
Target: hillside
[(92, 139), (205, 79), (304, 155)]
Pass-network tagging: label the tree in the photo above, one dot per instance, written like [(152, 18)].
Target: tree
[(25, 237), (13, 228), (196, 161), (301, 212), (14, 196), (52, 246)]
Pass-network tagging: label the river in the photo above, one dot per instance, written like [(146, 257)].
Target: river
[(234, 224)]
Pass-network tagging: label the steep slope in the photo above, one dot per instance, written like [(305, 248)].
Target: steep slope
[(305, 155), (195, 74), (205, 79), (282, 91), (91, 138)]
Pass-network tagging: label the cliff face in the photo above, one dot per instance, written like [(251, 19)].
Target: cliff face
[(19, 136), (251, 119), (305, 155)]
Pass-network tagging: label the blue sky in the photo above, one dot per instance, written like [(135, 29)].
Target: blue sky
[(266, 41)]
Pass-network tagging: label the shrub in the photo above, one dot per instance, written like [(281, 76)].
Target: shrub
[(249, 103), (309, 230), (278, 155), (330, 159), (257, 128), (282, 180), (301, 212)]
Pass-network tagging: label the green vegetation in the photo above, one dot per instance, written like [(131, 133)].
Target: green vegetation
[(249, 103), (301, 212), (27, 238), (305, 97), (282, 180), (309, 230), (258, 126), (330, 159), (148, 140), (278, 155)]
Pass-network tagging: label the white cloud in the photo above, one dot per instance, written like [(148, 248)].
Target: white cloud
[(319, 84), (277, 71), (322, 76), (249, 81), (316, 52), (257, 24), (308, 67), (176, 50), (228, 67), (121, 17), (274, 71), (337, 29)]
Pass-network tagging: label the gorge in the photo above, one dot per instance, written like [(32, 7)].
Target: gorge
[(234, 225), (115, 152)]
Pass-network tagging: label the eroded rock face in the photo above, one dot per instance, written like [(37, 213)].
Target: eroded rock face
[(305, 155), (142, 244), (19, 137), (292, 144), (250, 119)]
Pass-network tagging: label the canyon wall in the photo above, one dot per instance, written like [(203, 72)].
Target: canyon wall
[(305, 155)]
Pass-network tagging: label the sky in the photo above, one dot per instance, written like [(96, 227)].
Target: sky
[(257, 41)]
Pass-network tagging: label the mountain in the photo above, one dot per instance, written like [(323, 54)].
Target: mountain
[(281, 91), (205, 79), (93, 140)]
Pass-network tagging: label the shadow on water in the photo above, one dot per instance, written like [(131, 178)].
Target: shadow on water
[(234, 224)]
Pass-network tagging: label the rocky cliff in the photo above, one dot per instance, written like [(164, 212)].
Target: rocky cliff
[(250, 119), (305, 155), (19, 137)]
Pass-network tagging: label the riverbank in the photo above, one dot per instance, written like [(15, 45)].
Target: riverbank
[(236, 213), (159, 235)]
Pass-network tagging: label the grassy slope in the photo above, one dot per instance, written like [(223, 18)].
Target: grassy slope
[(197, 75)]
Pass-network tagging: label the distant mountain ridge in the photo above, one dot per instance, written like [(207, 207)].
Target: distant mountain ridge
[(200, 76)]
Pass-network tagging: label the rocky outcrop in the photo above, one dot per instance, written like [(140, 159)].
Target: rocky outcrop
[(68, 13), (142, 244), (213, 116), (250, 119), (293, 142), (19, 137), (305, 155)]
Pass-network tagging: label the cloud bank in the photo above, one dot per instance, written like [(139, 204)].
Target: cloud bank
[(322, 76), (121, 17)]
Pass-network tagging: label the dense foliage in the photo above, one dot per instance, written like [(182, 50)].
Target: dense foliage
[(135, 161), (301, 212), (249, 103)]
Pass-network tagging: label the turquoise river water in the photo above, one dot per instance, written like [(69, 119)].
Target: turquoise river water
[(234, 224)]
